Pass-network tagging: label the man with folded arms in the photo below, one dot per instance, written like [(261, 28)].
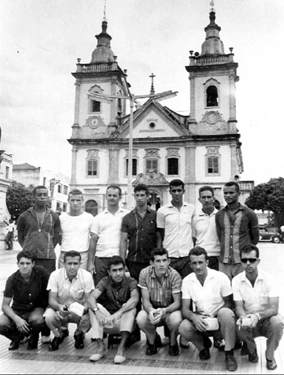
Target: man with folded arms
[(211, 293), (69, 288), (117, 314), (256, 295), (26, 290), (161, 298)]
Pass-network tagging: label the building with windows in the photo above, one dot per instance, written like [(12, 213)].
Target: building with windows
[(6, 163), (200, 148)]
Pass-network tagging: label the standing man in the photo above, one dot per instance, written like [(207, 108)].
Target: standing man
[(75, 229), (174, 222), (237, 226), (24, 302), (161, 298), (204, 227), (256, 295), (211, 292), (69, 289), (10, 234), (39, 230), (139, 228), (105, 231)]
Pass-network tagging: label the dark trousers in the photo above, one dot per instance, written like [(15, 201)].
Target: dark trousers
[(101, 268), (213, 263), (48, 264), (181, 265)]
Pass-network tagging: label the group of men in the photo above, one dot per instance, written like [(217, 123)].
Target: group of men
[(195, 272)]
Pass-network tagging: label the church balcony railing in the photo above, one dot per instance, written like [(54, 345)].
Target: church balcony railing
[(96, 68), (212, 60)]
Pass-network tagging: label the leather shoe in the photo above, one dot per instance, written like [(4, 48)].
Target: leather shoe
[(174, 350), (231, 363), (15, 344), (152, 349), (33, 342), (253, 358), (79, 341), (54, 345), (271, 364), (204, 354)]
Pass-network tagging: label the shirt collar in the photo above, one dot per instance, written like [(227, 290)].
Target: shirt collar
[(66, 277), (260, 276), (240, 208), (153, 275), (171, 205), (202, 213), (124, 280)]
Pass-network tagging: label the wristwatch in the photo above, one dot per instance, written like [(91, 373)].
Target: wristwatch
[(96, 309)]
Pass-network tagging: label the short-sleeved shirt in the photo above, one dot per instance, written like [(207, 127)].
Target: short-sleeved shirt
[(116, 295), (161, 294), (178, 228), (76, 231), (39, 238), (107, 227), (209, 297), (204, 230), (67, 291), (255, 298), (28, 296), (142, 235), (234, 233)]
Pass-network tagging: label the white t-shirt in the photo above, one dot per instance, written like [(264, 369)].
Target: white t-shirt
[(76, 231)]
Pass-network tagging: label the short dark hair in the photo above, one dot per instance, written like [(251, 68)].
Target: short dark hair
[(74, 192), (206, 188), (115, 187), (142, 187), (114, 261), (176, 182), (233, 183), (39, 187), (158, 251), (197, 251), (71, 254), (25, 254), (248, 248)]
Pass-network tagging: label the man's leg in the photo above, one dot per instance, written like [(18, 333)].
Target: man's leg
[(48, 264), (97, 334), (101, 266), (154, 340), (125, 325), (173, 321), (8, 329), (272, 328), (213, 263), (37, 324)]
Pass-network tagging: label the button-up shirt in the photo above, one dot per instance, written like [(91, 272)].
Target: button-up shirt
[(255, 298), (142, 235), (178, 228), (28, 295), (38, 238), (204, 230), (161, 293), (235, 232), (114, 296), (71, 291), (209, 297), (107, 227)]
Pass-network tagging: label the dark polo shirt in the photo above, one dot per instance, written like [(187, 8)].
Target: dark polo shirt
[(115, 296), (27, 296)]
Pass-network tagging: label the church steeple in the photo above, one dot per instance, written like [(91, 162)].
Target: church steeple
[(103, 52), (213, 44)]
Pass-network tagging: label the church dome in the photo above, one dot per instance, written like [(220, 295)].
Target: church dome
[(213, 44), (103, 52)]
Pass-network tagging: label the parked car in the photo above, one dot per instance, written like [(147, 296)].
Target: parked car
[(269, 234)]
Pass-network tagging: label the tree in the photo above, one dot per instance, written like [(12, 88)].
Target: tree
[(19, 198), (269, 196)]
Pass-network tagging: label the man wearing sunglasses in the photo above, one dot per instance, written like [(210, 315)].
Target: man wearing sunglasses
[(257, 302)]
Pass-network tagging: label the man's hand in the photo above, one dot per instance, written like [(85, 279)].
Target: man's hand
[(101, 317), (22, 325), (155, 315), (91, 267), (198, 321)]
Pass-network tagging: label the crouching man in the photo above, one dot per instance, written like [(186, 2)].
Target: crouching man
[(69, 288), (119, 295), (24, 302), (211, 293), (256, 295), (161, 298)]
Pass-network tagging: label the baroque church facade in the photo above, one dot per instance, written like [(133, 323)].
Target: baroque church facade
[(201, 148)]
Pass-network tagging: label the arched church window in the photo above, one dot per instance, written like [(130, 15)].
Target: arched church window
[(91, 207), (212, 96)]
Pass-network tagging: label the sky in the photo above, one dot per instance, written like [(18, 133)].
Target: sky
[(40, 42)]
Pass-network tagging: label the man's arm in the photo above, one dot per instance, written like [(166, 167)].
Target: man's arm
[(123, 244), (254, 228), (195, 318), (53, 302), (129, 305), (57, 231), (92, 252), (21, 231), (160, 236), (21, 324), (218, 227)]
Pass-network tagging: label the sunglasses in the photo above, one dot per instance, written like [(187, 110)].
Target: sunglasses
[(176, 190), (251, 260)]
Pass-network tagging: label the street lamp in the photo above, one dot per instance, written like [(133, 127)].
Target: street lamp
[(132, 98)]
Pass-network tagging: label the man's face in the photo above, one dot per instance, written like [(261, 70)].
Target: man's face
[(198, 264), (161, 264), (250, 261), (113, 197), (75, 202), (177, 194), (207, 199), (72, 265), (230, 194), (41, 196), (117, 272), (25, 266), (141, 197)]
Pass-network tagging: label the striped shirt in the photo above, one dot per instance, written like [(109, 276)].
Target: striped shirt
[(235, 232), (161, 293)]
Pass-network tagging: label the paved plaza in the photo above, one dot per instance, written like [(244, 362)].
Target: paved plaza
[(68, 360)]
